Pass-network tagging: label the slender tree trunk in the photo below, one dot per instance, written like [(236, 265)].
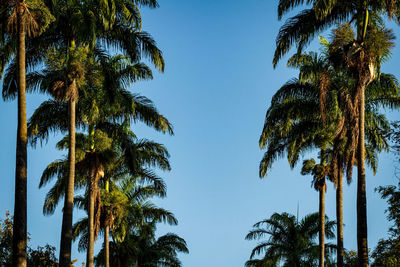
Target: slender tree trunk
[(66, 231), (90, 249), (362, 234), (339, 216), (107, 246), (322, 226), (362, 240), (20, 204), (107, 235), (91, 181)]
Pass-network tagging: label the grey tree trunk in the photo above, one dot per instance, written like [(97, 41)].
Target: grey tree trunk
[(66, 230), (19, 242), (322, 226), (362, 238), (339, 216)]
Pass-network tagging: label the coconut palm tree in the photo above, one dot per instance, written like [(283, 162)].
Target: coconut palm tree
[(301, 28), (288, 240)]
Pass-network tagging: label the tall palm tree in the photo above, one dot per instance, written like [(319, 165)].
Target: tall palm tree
[(64, 76), (301, 131), (122, 153), (319, 172), (17, 17), (288, 240), (112, 74), (301, 28), (294, 121), (84, 28), (375, 47), (125, 205), (95, 164)]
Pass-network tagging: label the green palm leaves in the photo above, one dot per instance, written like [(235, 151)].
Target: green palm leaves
[(283, 238), (73, 56), (301, 29), (318, 110)]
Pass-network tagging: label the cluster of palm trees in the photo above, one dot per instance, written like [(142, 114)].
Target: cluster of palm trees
[(334, 105), (86, 55)]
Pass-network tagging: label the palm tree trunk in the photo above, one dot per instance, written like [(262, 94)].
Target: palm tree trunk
[(66, 231), (90, 249), (91, 181), (322, 226), (339, 216), (362, 240), (106, 235), (107, 246), (20, 204)]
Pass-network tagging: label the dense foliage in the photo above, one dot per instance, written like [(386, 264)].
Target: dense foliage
[(39, 257), (286, 240)]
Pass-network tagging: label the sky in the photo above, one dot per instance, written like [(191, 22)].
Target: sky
[(216, 88)]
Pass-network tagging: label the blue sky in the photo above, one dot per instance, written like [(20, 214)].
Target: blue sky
[(216, 89)]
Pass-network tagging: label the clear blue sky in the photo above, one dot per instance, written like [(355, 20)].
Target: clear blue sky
[(216, 89)]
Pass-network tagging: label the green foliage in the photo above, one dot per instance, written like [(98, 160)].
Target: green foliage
[(286, 240), (41, 13), (350, 258), (318, 171), (40, 257), (387, 251), (6, 233), (143, 248), (300, 29), (314, 111)]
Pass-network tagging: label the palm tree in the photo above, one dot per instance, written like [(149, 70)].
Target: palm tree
[(84, 28), (122, 208), (16, 17), (299, 132), (376, 46), (289, 240), (122, 151), (97, 106), (109, 157), (140, 248), (319, 172), (63, 77), (294, 122), (300, 30), (95, 163)]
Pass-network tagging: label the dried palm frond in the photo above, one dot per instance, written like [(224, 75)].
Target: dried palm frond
[(29, 23)]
